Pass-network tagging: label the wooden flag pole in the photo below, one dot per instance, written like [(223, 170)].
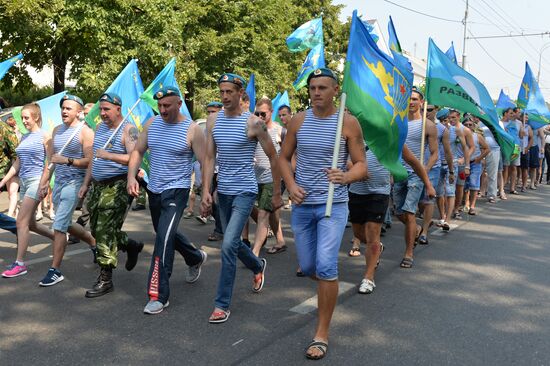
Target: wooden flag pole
[(118, 127), (328, 210)]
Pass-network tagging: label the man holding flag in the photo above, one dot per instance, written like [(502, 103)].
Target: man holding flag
[(311, 135), (114, 141), (172, 139)]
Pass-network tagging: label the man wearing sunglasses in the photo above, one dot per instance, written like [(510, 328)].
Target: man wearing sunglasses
[(267, 216)]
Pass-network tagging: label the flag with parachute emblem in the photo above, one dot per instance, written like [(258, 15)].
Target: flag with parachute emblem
[(6, 65), (306, 36)]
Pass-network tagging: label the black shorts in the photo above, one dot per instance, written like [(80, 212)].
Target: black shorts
[(524, 162), (367, 208), (534, 157)]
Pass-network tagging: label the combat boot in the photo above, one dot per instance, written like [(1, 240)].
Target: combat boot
[(103, 285), (132, 250)]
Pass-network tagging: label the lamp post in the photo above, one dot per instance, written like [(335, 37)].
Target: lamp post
[(544, 47)]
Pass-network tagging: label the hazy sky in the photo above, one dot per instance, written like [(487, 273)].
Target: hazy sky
[(485, 18)]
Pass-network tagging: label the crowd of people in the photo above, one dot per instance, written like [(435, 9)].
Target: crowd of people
[(242, 164)]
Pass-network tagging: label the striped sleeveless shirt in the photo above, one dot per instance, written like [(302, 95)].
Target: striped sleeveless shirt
[(31, 153), (171, 158), (379, 178), (414, 141), (477, 150), (440, 131), (262, 166), (456, 146), (65, 173), (314, 149), (104, 169), (235, 154)]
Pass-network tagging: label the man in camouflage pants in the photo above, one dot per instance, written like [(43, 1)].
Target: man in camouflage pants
[(109, 201), (8, 143)]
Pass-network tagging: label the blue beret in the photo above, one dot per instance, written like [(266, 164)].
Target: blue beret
[(442, 113), (417, 89), (323, 71), (167, 91), (232, 78), (74, 98), (111, 98), (214, 104)]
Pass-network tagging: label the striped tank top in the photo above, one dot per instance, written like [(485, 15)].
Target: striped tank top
[(65, 173), (314, 149), (31, 153), (414, 141), (235, 154), (104, 169), (440, 131), (477, 150), (171, 158), (262, 166), (379, 178), (456, 146)]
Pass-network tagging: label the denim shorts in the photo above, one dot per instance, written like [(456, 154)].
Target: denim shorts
[(460, 172), (28, 187), (318, 238), (65, 199), (440, 188), (406, 194), (473, 180), (434, 176)]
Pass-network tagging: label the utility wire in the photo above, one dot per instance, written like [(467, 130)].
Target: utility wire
[(491, 56)]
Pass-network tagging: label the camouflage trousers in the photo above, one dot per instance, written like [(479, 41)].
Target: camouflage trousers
[(108, 205)]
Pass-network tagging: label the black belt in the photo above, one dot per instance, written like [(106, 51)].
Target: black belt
[(108, 181)]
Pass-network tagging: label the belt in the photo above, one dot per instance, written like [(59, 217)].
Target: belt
[(108, 181)]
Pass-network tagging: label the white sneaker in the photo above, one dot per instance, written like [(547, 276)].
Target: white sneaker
[(366, 287)]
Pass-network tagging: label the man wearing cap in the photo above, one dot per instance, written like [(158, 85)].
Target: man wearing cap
[(234, 133), (72, 141), (311, 135), (172, 139), (407, 193), (108, 200)]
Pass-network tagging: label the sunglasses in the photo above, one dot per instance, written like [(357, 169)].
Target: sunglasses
[(468, 124), (430, 109), (260, 114)]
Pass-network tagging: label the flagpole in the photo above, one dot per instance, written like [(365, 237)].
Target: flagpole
[(423, 137), (328, 210), (68, 141), (118, 127)]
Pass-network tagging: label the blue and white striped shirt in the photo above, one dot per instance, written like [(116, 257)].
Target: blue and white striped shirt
[(314, 149), (414, 141), (171, 158), (441, 149), (235, 154), (262, 166), (477, 149), (32, 154), (379, 178), (65, 173), (102, 168)]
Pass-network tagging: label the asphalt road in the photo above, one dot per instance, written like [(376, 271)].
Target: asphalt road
[(478, 295)]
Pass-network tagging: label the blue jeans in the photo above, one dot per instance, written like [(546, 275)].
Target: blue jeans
[(8, 223), (234, 212), (318, 238), (406, 194), (433, 175), (166, 211)]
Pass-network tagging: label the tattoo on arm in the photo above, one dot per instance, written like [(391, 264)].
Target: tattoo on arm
[(262, 125), (133, 134)]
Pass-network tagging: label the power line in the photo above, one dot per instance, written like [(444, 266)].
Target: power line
[(511, 35), (421, 13), (491, 56)]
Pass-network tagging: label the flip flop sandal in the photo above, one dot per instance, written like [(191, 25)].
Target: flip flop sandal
[(354, 252), (275, 250), (321, 346), (219, 317), (406, 263)]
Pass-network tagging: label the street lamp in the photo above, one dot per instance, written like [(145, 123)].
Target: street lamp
[(544, 47)]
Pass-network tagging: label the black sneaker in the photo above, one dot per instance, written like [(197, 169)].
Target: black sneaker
[(138, 208)]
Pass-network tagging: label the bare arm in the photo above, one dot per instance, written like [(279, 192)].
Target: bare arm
[(207, 165), (286, 157), (483, 147), (431, 132), (14, 169), (471, 146), (447, 150), (136, 158), (409, 157), (47, 173), (530, 143), (197, 141)]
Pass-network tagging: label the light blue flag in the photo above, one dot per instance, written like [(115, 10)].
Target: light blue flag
[(394, 41), (450, 85), (129, 87), (49, 108), (451, 54), (315, 59), (165, 78), (530, 98), (504, 102), (279, 101), (6, 65), (251, 91), (307, 36)]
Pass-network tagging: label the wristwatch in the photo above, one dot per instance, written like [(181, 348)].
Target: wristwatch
[(70, 161), (452, 173)]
